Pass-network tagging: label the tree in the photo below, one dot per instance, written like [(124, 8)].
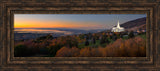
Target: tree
[(68, 52), (71, 41), (85, 52), (114, 37), (54, 48), (81, 36), (102, 40), (86, 43), (63, 52), (94, 41), (107, 41), (22, 51), (131, 34)]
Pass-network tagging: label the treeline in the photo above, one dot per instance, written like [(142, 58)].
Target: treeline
[(133, 47), (82, 45)]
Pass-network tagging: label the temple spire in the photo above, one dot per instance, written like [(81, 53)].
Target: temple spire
[(118, 26)]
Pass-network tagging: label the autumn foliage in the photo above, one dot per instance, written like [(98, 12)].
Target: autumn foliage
[(133, 47), (83, 45)]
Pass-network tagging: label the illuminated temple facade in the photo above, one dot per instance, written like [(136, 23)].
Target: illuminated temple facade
[(117, 28)]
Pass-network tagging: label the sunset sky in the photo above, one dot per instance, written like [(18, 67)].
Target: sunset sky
[(75, 21)]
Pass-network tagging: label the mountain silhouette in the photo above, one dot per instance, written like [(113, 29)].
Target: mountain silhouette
[(134, 25)]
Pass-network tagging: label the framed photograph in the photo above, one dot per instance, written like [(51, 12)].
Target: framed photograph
[(79, 35)]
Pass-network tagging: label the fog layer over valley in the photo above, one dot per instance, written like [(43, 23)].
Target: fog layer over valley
[(32, 33)]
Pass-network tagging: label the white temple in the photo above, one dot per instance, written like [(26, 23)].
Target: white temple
[(118, 28)]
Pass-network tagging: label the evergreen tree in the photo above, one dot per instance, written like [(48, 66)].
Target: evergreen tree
[(102, 40), (86, 43), (131, 34), (114, 37), (94, 41)]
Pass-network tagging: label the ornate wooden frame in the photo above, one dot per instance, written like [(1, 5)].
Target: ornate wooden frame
[(10, 7)]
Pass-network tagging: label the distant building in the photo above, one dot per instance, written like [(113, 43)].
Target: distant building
[(117, 28)]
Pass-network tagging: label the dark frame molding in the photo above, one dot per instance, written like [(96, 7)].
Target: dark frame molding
[(10, 7)]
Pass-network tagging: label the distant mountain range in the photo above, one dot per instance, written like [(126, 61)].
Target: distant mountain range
[(134, 25)]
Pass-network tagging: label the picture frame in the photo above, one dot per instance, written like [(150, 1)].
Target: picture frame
[(10, 7)]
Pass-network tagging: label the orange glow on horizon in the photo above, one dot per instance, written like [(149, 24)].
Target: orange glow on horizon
[(52, 24)]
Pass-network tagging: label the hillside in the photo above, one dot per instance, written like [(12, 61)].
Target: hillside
[(135, 24)]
